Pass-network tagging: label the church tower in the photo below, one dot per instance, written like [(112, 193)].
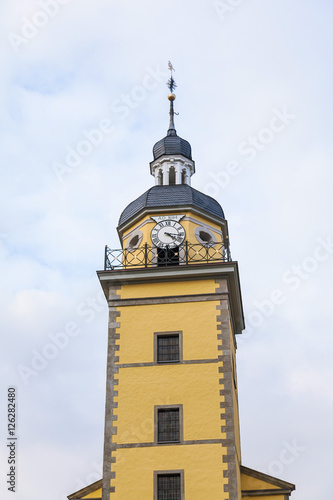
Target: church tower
[(175, 310)]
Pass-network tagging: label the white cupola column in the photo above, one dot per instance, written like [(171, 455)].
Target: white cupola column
[(187, 177), (166, 174), (157, 179), (179, 173)]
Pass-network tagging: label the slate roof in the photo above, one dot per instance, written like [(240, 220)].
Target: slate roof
[(168, 196), (171, 145)]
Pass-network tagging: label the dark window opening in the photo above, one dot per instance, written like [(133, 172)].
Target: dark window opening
[(168, 487), (183, 177), (168, 426), (133, 242), (168, 348), (172, 176), (168, 256), (206, 237)]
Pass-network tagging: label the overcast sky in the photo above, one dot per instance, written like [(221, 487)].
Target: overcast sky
[(83, 100)]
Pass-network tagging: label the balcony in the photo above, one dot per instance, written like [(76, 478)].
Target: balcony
[(147, 257)]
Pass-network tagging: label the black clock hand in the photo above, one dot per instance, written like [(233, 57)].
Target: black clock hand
[(171, 235)]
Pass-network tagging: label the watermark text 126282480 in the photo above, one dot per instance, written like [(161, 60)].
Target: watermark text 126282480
[(12, 439)]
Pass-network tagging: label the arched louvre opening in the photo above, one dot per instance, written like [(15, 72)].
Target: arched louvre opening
[(172, 176)]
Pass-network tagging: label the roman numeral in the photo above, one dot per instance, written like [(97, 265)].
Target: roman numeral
[(157, 241)]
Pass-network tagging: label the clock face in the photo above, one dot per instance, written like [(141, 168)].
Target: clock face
[(167, 233)]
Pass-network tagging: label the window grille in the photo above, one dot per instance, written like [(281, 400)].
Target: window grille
[(168, 430), (168, 487), (167, 348)]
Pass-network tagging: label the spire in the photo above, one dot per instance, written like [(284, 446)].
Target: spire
[(172, 144), (171, 85)]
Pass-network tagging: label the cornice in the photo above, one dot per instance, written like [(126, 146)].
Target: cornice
[(226, 270)]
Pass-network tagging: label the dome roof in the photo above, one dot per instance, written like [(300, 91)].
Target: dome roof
[(169, 196), (170, 145)]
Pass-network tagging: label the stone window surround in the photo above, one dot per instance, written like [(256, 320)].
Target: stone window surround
[(204, 228), (135, 233), (171, 472), (168, 407), (164, 334)]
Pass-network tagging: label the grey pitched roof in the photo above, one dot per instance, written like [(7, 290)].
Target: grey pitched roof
[(168, 196), (171, 145)]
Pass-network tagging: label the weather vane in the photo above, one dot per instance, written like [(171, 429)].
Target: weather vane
[(171, 83)]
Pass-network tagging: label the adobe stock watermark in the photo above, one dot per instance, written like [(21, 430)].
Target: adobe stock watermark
[(249, 149), (31, 27), (59, 341), (289, 453), (120, 109), (225, 7), (292, 280)]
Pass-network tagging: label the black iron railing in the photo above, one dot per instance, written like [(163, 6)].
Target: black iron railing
[(146, 256)]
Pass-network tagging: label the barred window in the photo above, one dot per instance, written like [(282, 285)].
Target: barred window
[(168, 487), (168, 348), (168, 428)]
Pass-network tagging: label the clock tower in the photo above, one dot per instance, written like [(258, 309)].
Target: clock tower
[(175, 310)]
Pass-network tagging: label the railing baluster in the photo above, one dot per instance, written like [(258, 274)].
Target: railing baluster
[(228, 249), (146, 254), (105, 257)]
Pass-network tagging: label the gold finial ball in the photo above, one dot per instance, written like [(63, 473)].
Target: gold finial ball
[(172, 97)]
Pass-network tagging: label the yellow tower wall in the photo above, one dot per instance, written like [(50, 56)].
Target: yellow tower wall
[(201, 383)]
